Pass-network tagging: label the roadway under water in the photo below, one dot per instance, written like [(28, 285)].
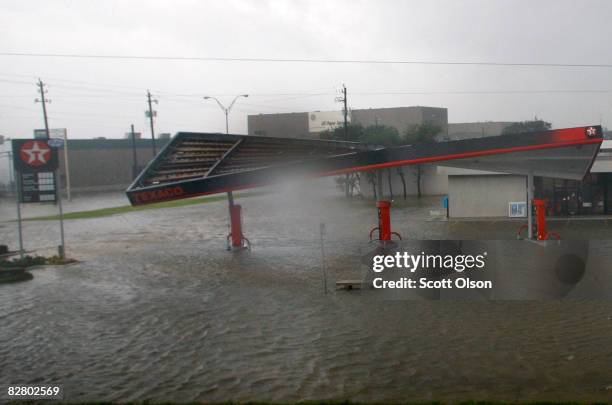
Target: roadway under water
[(158, 310)]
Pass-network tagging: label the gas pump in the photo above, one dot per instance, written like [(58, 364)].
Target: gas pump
[(236, 239), (539, 226), (384, 223)]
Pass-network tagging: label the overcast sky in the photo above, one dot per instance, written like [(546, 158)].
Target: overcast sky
[(102, 97)]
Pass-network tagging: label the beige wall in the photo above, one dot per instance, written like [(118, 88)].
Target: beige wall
[(102, 169), (295, 125), (465, 130), (484, 196), (290, 125)]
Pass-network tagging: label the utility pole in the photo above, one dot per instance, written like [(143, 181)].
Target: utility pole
[(43, 100), (344, 102), (67, 166), (150, 114), (134, 157), (58, 181)]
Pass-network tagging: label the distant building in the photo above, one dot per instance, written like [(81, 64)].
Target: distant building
[(128, 135), (466, 130), (95, 164), (105, 164), (293, 125), (311, 124)]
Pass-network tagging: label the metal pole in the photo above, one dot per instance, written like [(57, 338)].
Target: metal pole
[(11, 172), (324, 262), (66, 165), (226, 121), (230, 204), (529, 205), (134, 157), (346, 177), (58, 194), (379, 184), (43, 101), (151, 122), (17, 197)]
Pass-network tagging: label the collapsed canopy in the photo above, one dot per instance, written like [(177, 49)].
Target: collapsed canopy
[(195, 164)]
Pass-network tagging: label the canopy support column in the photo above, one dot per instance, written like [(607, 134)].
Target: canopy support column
[(530, 206)]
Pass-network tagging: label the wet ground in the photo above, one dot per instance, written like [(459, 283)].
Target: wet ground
[(158, 310)]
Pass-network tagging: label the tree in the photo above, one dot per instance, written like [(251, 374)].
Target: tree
[(374, 134), (382, 135), (536, 125), (355, 133), (421, 134)]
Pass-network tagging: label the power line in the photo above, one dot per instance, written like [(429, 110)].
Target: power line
[(481, 92), (301, 60)]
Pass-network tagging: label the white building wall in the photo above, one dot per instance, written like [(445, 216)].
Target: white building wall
[(484, 196)]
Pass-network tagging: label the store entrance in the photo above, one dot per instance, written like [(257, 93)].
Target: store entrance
[(593, 196)]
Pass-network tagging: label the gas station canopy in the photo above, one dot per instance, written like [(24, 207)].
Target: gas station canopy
[(194, 164)]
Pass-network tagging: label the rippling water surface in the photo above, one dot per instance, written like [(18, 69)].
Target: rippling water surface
[(158, 310)]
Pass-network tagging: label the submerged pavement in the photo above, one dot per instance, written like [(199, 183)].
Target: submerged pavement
[(158, 310)]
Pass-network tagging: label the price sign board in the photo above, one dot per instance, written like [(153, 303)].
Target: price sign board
[(35, 163)]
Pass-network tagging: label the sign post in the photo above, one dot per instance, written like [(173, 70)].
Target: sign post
[(61, 249), (19, 229)]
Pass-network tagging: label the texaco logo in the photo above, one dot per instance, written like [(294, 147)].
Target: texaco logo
[(35, 153), (591, 131)]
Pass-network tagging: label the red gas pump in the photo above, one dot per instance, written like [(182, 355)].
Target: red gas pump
[(238, 241), (540, 228), (384, 222)]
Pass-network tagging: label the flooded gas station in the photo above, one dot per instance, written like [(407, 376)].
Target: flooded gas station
[(157, 309)]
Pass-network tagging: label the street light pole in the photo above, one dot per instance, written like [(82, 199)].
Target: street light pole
[(226, 110), (230, 195), (226, 121)]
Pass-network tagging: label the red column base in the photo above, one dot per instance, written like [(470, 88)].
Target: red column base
[(384, 222), (236, 240)]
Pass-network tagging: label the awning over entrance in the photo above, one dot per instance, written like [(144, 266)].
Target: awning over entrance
[(194, 164)]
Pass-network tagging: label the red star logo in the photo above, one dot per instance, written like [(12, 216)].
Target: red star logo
[(35, 153), (591, 131)]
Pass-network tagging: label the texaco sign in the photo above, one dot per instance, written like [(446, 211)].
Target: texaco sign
[(35, 163), (34, 155)]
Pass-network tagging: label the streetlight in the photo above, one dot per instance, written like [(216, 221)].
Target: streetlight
[(228, 109)]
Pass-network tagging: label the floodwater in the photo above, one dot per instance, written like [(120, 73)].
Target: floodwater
[(158, 310)]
